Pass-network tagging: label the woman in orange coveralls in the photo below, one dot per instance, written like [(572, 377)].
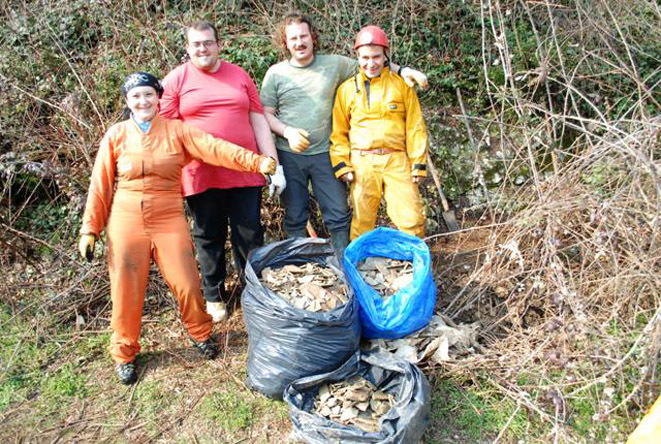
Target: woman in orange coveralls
[(135, 190)]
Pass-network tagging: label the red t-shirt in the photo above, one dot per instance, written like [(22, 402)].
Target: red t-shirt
[(219, 103)]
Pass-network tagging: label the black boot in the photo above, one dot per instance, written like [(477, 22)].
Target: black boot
[(206, 348), (339, 241), (126, 373)]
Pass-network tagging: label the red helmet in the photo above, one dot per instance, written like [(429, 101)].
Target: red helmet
[(371, 35)]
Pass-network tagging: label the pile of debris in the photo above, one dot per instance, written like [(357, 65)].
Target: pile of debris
[(386, 276), (309, 286), (355, 401), (433, 342)]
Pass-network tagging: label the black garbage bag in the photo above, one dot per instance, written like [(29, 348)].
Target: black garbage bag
[(404, 423), (286, 343)]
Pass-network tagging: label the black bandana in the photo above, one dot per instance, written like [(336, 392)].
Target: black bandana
[(141, 79)]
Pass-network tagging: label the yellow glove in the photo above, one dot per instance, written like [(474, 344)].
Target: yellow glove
[(86, 246), (297, 138), (267, 165)]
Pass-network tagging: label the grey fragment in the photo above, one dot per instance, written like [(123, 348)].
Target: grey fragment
[(310, 286), (433, 343), (386, 276), (355, 401)]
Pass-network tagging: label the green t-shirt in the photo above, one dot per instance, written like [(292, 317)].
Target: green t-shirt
[(304, 96)]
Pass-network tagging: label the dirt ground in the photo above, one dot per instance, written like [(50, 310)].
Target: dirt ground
[(180, 397)]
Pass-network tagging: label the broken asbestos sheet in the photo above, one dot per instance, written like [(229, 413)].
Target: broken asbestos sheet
[(355, 401), (309, 286), (386, 276), (433, 343)]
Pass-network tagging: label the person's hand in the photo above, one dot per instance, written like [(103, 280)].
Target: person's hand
[(347, 177), (412, 76), (416, 179), (267, 165), (86, 246), (297, 138), (278, 182)]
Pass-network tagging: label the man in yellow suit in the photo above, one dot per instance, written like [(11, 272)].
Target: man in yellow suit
[(379, 140)]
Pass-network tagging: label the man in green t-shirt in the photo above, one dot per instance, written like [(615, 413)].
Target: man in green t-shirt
[(298, 96)]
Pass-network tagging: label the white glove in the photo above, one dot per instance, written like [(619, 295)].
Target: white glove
[(278, 182), (347, 177), (298, 139), (412, 76)]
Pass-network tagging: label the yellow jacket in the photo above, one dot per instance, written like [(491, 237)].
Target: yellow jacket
[(389, 117)]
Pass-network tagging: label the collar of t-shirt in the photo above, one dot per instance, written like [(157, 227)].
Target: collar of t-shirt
[(144, 126)]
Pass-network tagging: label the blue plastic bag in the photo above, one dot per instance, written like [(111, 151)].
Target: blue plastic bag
[(409, 309)]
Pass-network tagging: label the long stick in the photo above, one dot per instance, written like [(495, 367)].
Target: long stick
[(437, 181)]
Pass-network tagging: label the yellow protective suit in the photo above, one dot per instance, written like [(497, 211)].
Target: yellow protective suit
[(649, 429), (379, 134), (135, 190)]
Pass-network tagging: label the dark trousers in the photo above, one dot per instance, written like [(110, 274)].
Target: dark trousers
[(330, 193), (212, 210)]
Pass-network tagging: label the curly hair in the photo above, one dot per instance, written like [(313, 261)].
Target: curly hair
[(280, 37)]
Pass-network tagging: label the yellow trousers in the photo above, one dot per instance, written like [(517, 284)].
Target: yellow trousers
[(387, 175), (649, 429)]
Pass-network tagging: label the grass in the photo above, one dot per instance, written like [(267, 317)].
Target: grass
[(68, 381), (236, 409), (64, 385), (153, 400), (229, 410), (11, 390), (22, 356), (44, 371), (472, 414)]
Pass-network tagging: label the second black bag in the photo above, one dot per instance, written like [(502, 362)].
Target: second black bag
[(404, 423)]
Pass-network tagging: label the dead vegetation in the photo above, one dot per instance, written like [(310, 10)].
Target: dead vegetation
[(565, 285), (567, 289)]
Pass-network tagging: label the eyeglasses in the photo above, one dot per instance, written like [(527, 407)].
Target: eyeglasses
[(206, 44)]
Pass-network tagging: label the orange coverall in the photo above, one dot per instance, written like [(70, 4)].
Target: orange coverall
[(136, 190)]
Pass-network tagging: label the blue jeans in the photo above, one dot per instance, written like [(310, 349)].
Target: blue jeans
[(330, 193)]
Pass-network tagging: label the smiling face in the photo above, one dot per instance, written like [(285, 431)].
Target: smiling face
[(202, 48), (143, 102), (300, 43), (371, 59)]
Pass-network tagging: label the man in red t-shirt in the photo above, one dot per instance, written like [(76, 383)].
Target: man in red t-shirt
[(221, 99)]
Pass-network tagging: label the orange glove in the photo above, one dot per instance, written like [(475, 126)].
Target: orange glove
[(267, 165)]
